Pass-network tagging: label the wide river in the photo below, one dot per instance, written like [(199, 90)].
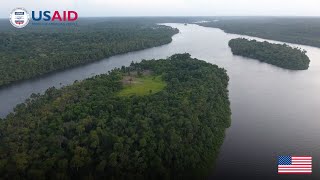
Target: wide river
[(274, 111)]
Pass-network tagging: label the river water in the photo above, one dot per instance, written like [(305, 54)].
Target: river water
[(274, 111)]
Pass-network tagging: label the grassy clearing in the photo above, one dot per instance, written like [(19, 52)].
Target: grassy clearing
[(141, 86)]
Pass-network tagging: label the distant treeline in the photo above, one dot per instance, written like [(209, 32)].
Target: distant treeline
[(296, 30), (38, 50), (87, 131), (280, 55)]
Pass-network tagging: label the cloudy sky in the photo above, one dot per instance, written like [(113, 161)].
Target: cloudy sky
[(87, 8)]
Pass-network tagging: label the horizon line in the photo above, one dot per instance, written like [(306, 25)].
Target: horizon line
[(172, 16)]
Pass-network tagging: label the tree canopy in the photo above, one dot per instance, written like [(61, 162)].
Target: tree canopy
[(298, 30), (37, 51), (87, 131), (281, 55)]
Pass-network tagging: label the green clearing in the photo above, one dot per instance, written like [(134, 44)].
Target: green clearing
[(144, 85)]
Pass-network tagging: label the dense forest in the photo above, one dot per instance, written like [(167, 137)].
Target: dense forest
[(38, 50), (94, 129), (296, 30), (280, 55)]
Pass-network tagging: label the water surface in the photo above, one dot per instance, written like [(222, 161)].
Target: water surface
[(274, 111)]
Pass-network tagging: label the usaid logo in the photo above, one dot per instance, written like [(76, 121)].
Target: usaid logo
[(19, 17), (55, 16)]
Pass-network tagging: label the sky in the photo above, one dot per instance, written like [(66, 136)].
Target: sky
[(96, 8)]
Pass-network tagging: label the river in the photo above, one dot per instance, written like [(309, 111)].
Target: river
[(274, 111)]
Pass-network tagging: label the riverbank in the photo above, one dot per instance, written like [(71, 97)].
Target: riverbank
[(41, 52), (269, 104)]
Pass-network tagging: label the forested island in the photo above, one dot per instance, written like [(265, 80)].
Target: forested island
[(158, 119), (280, 55), (298, 30), (39, 50)]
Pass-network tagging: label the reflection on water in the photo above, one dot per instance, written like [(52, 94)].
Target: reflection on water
[(274, 111)]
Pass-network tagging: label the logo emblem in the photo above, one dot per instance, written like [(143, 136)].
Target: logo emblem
[(19, 17)]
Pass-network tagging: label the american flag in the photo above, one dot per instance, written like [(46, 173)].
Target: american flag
[(295, 165)]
